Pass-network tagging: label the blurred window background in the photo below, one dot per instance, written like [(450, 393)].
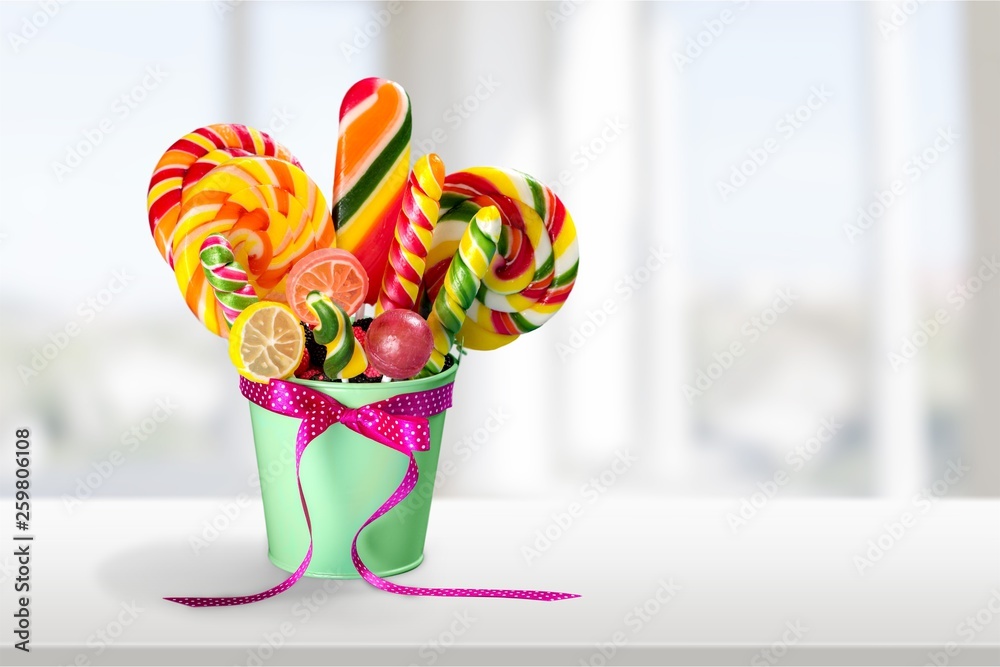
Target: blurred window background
[(787, 221)]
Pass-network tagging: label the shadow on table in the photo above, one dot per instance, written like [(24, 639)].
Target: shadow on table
[(238, 567)]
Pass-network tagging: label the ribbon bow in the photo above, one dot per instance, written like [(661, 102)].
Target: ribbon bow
[(406, 434), (398, 422)]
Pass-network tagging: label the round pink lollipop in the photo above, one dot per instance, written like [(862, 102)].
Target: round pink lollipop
[(399, 343)]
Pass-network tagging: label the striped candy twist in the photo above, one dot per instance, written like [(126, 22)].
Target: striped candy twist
[(414, 231), (271, 213), (373, 157), (190, 158), (461, 284), (345, 357), (227, 277), (537, 250)]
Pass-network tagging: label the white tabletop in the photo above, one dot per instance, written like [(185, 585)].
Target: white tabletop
[(788, 582)]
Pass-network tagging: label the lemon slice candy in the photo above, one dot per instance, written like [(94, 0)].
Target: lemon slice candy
[(266, 341)]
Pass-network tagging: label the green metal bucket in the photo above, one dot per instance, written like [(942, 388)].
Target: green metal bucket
[(345, 478)]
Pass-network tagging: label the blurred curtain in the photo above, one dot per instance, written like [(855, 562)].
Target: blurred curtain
[(983, 56), (572, 417), (580, 64)]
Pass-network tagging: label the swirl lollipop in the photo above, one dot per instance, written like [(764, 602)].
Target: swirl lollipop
[(537, 255), (187, 160), (271, 213)]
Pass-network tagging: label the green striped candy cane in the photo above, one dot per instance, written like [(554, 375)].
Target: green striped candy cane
[(461, 284), (227, 277)]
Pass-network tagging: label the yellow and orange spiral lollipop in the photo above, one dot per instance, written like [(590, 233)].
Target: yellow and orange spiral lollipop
[(187, 160), (271, 213)]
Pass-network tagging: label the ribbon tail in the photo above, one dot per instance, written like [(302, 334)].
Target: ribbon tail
[(400, 494), (247, 599), (304, 438)]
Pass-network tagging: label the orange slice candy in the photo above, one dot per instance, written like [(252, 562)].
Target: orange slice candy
[(333, 271)]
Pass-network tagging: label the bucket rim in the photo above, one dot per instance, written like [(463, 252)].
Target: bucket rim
[(405, 386)]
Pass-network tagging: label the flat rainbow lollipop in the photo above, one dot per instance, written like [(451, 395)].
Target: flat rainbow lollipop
[(373, 161), (537, 255), (187, 160), (270, 212)]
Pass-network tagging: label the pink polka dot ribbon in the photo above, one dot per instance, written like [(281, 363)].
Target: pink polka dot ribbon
[(398, 422)]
